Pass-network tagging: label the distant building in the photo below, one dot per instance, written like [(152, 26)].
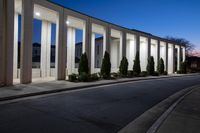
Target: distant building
[(193, 64)]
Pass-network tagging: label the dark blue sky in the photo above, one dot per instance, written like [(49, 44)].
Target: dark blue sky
[(178, 18)]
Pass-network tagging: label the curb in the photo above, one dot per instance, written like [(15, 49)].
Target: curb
[(86, 86), (154, 128), (151, 120)]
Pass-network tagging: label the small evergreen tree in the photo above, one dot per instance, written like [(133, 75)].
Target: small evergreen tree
[(106, 66), (123, 68), (161, 66), (136, 66), (183, 68), (83, 65), (151, 66)]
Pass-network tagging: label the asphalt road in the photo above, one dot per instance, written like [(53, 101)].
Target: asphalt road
[(99, 110)]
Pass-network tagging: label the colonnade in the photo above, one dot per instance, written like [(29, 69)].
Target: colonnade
[(116, 40)]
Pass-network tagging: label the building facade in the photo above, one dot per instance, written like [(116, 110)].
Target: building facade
[(118, 41)]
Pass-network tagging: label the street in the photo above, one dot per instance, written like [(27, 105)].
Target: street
[(104, 109)]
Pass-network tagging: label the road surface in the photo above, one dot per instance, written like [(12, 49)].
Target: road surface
[(104, 109)]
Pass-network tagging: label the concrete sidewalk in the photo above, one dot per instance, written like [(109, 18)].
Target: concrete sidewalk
[(46, 87), (185, 118)]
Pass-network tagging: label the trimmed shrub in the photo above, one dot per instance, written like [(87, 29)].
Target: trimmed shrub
[(143, 74), (83, 77), (161, 66), (123, 68), (94, 77), (136, 66), (150, 66), (178, 72), (114, 75), (83, 65), (165, 73), (72, 77), (130, 74), (155, 74), (106, 66), (183, 68)]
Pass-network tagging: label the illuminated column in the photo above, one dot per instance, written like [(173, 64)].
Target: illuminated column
[(45, 48), (117, 49), (108, 39), (183, 52), (158, 53), (166, 57), (15, 57), (61, 46), (26, 42), (84, 39), (124, 39), (93, 53), (2, 59), (173, 54), (143, 53), (131, 50), (179, 57), (149, 47), (88, 38), (70, 50), (7, 41), (137, 43), (171, 60), (163, 53)]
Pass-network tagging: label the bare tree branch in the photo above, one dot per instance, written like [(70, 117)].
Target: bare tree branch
[(189, 46)]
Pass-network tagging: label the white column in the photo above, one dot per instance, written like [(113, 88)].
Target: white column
[(115, 55), (73, 50), (154, 51), (108, 39), (170, 58), (92, 53), (104, 42), (2, 59), (121, 49), (178, 58), (15, 57), (88, 34), (70, 50), (124, 39), (183, 52), (143, 53), (131, 50), (167, 56), (61, 46), (26, 42), (8, 41), (45, 48), (158, 53), (163, 52), (84, 40)]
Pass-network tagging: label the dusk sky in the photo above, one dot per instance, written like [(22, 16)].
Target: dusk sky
[(177, 18)]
